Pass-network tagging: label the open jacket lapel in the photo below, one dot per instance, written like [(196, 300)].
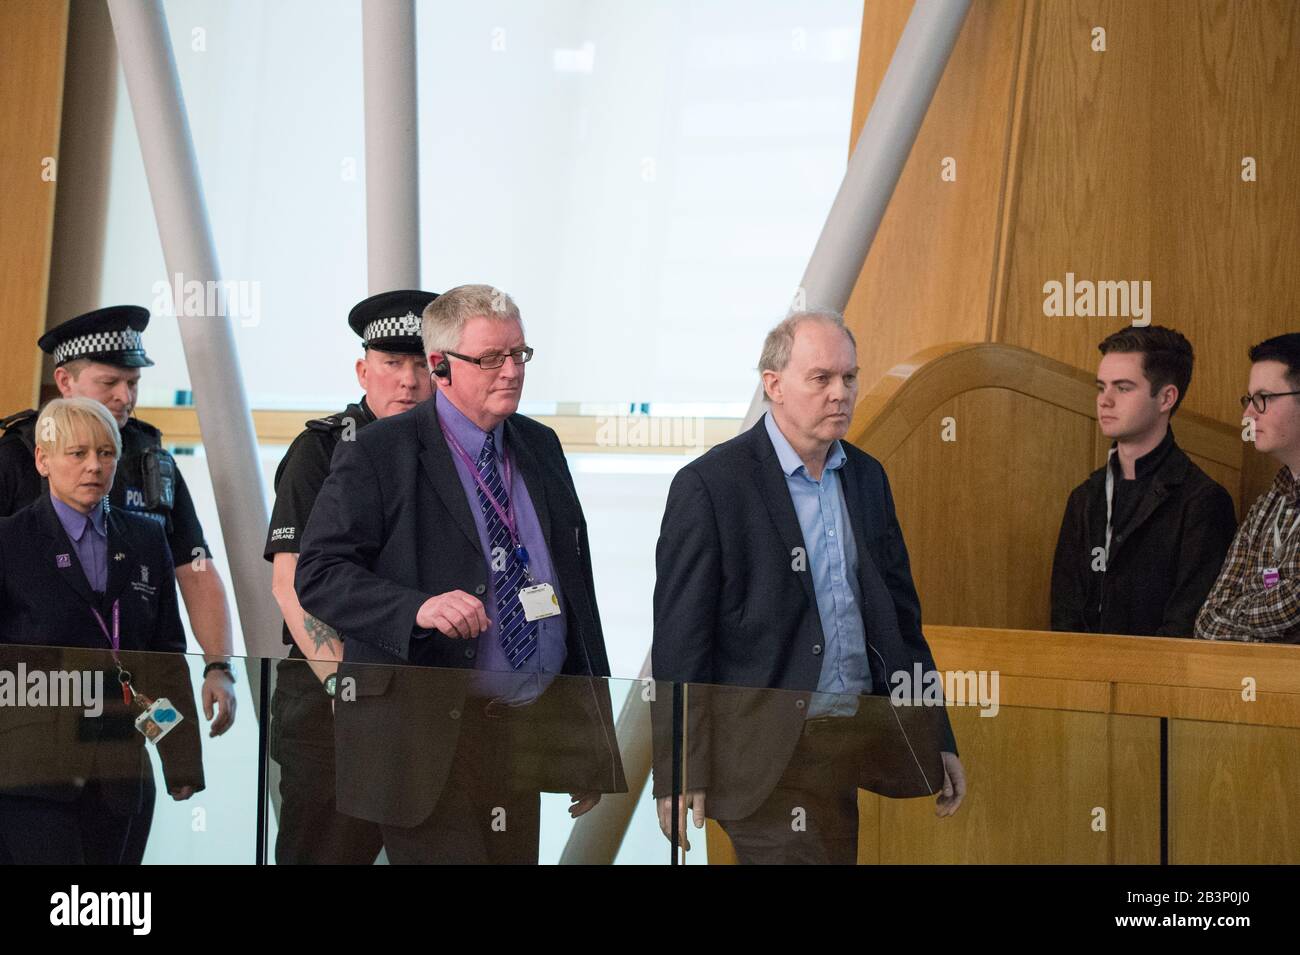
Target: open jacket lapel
[(534, 475), (440, 469), (123, 559), (776, 495), (1170, 474), (877, 609), (60, 553)]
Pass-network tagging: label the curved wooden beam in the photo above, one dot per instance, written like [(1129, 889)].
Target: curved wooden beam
[(910, 392)]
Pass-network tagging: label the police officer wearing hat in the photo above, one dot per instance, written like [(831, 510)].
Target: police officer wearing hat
[(394, 375), (99, 355)]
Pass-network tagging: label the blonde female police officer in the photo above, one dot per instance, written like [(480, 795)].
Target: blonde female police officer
[(99, 355), (77, 573)]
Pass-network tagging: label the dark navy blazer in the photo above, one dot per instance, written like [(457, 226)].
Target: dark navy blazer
[(735, 608), (392, 527), (47, 623)]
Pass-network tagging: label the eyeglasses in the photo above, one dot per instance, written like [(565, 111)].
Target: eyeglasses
[(1260, 399), (496, 359)]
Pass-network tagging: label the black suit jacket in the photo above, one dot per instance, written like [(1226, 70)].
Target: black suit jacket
[(47, 623), (392, 527), (731, 612)]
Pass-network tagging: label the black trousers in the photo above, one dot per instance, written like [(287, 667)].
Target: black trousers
[(485, 815), (86, 831), (312, 831), (811, 816)]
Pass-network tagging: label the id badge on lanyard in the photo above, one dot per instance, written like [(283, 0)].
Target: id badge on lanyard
[(538, 598), (158, 717), (1272, 575)]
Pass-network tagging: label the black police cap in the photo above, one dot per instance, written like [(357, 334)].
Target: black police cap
[(109, 335), (390, 321)]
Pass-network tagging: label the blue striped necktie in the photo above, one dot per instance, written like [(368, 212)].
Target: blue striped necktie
[(518, 635)]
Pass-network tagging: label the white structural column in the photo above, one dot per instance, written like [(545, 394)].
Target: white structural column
[(878, 159), (392, 148), (145, 50), (877, 162)]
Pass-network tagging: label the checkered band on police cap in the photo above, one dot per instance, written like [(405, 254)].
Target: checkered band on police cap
[(98, 343), (397, 326)]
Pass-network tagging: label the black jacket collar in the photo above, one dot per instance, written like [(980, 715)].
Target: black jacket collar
[(1150, 462), (1168, 475)]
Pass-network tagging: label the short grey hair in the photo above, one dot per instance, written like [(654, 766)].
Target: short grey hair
[(780, 340), (443, 321)]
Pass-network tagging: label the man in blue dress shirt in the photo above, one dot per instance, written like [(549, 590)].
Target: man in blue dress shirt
[(781, 567)]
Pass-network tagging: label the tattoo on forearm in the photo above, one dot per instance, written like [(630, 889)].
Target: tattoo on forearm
[(322, 634)]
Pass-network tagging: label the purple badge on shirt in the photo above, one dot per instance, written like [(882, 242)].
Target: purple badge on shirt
[(63, 560)]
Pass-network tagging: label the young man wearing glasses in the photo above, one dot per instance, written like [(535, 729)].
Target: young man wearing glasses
[(1257, 595), (1144, 536)]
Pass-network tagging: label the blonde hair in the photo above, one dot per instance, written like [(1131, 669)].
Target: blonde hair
[(445, 317), (63, 419)]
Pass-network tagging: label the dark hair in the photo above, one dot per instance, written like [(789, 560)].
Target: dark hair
[(1283, 348), (1166, 356)]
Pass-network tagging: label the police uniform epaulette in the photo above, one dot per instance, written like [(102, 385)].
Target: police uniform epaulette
[(17, 418), (332, 423)]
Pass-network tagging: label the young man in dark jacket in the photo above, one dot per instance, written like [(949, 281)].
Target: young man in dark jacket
[(1143, 538)]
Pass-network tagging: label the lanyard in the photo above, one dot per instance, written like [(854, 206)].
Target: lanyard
[(114, 640), (115, 643), (1110, 498), (1278, 539), (505, 513)]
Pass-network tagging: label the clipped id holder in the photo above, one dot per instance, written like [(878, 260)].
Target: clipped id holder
[(158, 719)]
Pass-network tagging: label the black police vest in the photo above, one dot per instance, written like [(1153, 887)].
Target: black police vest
[(146, 474)]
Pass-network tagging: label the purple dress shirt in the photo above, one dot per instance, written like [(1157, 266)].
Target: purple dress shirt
[(89, 539), (496, 678)]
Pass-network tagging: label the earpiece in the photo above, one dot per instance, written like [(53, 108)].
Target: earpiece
[(443, 370)]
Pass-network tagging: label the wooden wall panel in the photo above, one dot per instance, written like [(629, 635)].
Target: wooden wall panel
[(1117, 165), (1258, 472), (1231, 793), (1017, 810), (1133, 816), (1131, 169), (33, 40), (981, 530), (85, 157), (981, 513), (1079, 729), (929, 276), (1036, 776)]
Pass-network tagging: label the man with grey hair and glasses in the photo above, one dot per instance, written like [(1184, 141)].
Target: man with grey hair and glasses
[(781, 565), (449, 549)]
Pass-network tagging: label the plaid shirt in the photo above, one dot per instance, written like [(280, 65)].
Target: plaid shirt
[(1239, 606)]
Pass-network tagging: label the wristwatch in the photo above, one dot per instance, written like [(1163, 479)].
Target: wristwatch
[(331, 685), (220, 666)]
